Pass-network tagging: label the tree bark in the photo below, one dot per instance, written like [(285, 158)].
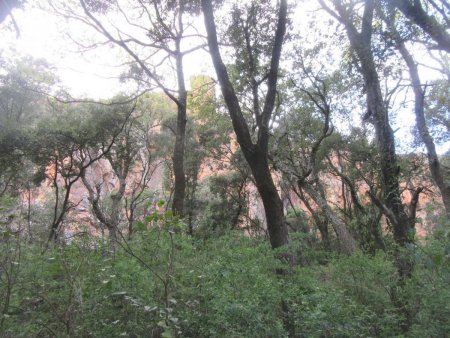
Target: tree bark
[(256, 155), (321, 222), (179, 191), (273, 206), (415, 12)]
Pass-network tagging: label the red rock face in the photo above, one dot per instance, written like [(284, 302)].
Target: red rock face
[(80, 216)]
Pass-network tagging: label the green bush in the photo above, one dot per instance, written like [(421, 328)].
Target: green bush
[(349, 297), (166, 284)]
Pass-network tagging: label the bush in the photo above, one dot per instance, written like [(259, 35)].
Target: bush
[(349, 297), (166, 284)]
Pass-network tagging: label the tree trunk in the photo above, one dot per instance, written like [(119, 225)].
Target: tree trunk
[(256, 155), (273, 206), (111, 221), (388, 159), (347, 242), (180, 100), (361, 43), (179, 191), (321, 222), (30, 233)]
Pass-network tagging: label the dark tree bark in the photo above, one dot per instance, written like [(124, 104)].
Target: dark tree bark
[(414, 11), (256, 154)]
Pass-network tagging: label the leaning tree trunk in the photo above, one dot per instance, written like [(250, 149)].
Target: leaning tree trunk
[(417, 14)]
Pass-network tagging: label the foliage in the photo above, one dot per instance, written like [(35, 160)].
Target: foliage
[(220, 287), (224, 201)]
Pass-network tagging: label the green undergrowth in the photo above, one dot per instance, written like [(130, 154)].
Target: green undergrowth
[(163, 283)]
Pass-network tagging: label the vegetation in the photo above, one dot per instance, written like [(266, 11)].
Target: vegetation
[(275, 196), (172, 285)]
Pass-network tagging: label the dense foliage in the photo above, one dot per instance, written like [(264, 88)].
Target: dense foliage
[(164, 283)]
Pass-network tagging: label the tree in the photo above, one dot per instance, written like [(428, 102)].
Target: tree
[(419, 91), (121, 157), (255, 153), (377, 112), (301, 142), (152, 41), (132, 164), (146, 161), (64, 144), (21, 106)]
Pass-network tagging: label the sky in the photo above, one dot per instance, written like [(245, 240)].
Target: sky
[(41, 37), (95, 73)]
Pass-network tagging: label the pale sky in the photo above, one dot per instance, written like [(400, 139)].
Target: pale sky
[(92, 74), (41, 37)]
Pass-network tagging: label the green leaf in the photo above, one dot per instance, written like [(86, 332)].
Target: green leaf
[(139, 226)]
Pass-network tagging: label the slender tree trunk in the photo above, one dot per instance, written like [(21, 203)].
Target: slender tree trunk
[(130, 222), (179, 191), (235, 221), (30, 234), (116, 208), (321, 222)]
